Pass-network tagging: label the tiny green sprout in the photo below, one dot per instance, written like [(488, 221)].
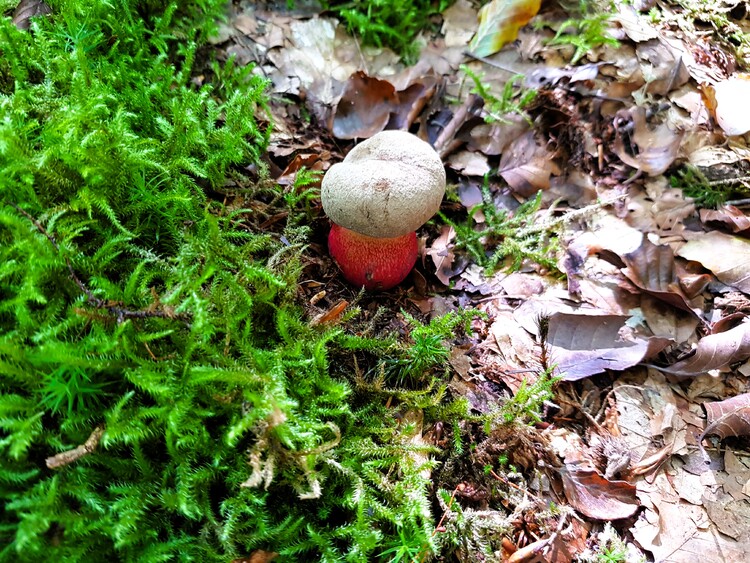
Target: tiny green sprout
[(586, 32), (513, 99)]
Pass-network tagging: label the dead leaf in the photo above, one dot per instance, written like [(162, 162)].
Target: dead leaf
[(726, 256), (28, 9), (411, 101), (309, 161), (469, 163), (728, 215), (715, 351), (442, 254), (584, 345), (332, 316), (679, 532), (594, 496), (527, 166), (652, 268), (459, 23), (667, 321), (494, 138), (364, 108), (730, 417), (499, 22), (646, 147), (258, 556)]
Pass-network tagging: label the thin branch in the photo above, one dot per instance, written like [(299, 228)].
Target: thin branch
[(66, 458), (112, 307)]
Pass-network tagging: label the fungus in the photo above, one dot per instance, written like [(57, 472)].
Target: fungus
[(384, 190)]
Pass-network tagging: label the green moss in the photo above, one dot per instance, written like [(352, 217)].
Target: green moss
[(388, 23), (132, 299)]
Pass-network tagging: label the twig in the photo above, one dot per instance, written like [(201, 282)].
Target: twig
[(514, 486), (65, 458), (112, 307), (532, 551)]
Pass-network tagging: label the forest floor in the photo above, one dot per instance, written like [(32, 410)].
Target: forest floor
[(629, 275)]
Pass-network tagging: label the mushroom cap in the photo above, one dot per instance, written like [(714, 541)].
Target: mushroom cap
[(386, 187)]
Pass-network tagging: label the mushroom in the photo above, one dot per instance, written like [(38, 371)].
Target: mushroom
[(384, 190)]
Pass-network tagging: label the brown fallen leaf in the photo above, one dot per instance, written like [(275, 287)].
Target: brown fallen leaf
[(310, 161), (442, 254), (652, 268), (364, 108), (715, 351), (728, 257), (648, 148), (594, 496), (411, 101), (728, 215), (584, 345), (527, 166), (332, 316), (258, 556), (499, 22), (730, 417), (28, 9), (469, 163)]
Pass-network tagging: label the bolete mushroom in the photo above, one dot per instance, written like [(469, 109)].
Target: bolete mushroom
[(384, 190)]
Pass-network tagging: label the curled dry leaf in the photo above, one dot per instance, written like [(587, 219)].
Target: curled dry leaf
[(469, 163), (499, 22), (715, 351), (584, 345), (411, 101), (594, 496), (442, 254), (726, 256), (729, 215), (364, 108), (650, 149), (730, 417), (527, 166), (28, 9), (652, 268)]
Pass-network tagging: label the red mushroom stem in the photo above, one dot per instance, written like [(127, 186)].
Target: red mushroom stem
[(375, 263)]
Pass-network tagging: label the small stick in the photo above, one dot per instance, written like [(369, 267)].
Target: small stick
[(65, 458)]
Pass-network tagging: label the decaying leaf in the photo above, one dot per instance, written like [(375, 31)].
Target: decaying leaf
[(499, 22), (584, 345), (730, 417), (257, 556), (470, 163), (715, 351), (652, 268), (726, 256), (364, 108), (411, 101), (646, 147), (527, 166), (596, 497), (28, 9), (442, 254), (729, 215)]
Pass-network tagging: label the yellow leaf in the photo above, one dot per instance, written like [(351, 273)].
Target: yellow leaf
[(499, 22)]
